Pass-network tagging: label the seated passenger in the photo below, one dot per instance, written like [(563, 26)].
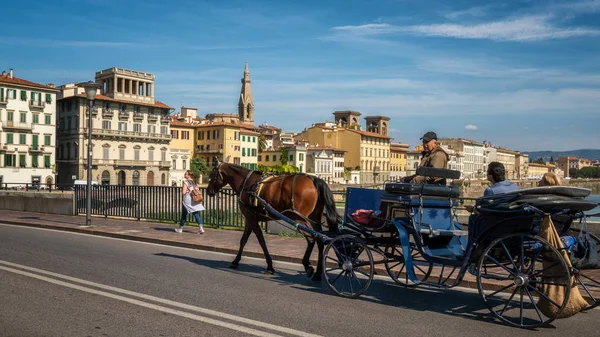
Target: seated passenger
[(550, 179), (497, 176), (432, 156)]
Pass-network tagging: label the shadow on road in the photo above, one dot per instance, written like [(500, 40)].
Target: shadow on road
[(455, 303)]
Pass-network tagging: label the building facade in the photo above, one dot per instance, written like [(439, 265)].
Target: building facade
[(398, 160), (181, 147), (27, 132), (472, 154), (326, 163), (249, 145), (130, 131)]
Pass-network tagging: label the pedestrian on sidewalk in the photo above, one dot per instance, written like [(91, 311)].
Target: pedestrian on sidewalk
[(188, 204)]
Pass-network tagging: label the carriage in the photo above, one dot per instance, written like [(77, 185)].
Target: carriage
[(524, 278), (512, 245)]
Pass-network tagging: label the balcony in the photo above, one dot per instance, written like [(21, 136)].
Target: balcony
[(36, 104), (152, 118), (131, 163), (138, 116), (164, 119), (107, 113), (164, 164), (209, 150), (17, 125), (129, 134), (123, 114), (36, 148)]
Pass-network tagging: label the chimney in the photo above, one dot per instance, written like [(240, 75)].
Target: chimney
[(10, 74), (4, 73)]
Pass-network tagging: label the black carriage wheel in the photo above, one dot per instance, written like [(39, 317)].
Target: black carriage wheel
[(519, 266), (588, 286), (348, 266), (394, 264)]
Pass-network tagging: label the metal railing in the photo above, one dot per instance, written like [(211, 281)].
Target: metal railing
[(162, 203)]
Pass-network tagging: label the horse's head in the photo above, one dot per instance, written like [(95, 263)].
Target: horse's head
[(217, 178)]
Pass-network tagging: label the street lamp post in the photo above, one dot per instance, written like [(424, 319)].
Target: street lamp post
[(90, 93)]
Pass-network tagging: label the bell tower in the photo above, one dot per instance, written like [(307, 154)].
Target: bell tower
[(378, 124), (246, 103)]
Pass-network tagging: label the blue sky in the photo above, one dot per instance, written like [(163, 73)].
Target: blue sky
[(521, 74)]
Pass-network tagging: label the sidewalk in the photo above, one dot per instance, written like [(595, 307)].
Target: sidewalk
[(289, 249)]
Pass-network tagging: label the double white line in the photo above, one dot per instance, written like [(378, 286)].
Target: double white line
[(225, 320)]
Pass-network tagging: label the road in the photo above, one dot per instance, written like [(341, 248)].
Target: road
[(65, 284)]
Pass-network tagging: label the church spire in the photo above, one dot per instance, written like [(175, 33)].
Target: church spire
[(246, 103)]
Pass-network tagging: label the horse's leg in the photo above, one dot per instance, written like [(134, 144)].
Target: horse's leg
[(316, 217), (310, 244), (261, 241), (243, 240)]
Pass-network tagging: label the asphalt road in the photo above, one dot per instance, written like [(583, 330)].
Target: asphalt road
[(64, 284)]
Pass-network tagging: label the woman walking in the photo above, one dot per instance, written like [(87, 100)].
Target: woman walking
[(189, 206)]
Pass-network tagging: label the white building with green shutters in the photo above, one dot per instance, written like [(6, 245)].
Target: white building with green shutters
[(249, 148), (27, 132)]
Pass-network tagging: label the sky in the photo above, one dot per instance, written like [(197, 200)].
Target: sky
[(519, 74)]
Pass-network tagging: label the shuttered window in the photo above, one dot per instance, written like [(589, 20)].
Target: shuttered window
[(47, 161)]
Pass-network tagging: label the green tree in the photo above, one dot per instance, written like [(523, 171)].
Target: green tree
[(574, 173), (199, 167), (285, 156), (347, 174), (551, 159), (540, 161)]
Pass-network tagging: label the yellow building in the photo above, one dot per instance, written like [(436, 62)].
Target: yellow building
[(368, 150), (218, 139), (537, 170), (398, 160), (181, 147)]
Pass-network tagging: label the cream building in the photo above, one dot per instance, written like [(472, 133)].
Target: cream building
[(367, 151), (413, 158), (27, 132), (536, 171), (472, 153), (522, 165), (398, 160), (508, 159), (326, 163), (130, 131), (181, 147), (249, 145)]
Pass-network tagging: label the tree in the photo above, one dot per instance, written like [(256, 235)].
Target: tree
[(573, 173), (262, 143), (540, 161), (551, 159), (199, 167), (284, 156)]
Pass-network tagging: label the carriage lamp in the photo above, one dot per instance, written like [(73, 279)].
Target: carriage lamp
[(90, 92)]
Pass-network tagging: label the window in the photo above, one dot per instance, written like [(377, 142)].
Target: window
[(23, 117), (122, 126), (105, 153), (9, 138), (291, 157), (106, 125), (151, 128), (122, 154), (200, 135), (48, 98), (174, 164), (47, 140), (208, 134), (174, 134), (163, 155), (215, 134), (185, 135), (184, 165), (163, 130), (301, 156), (236, 135), (22, 139), (34, 160), (47, 161), (137, 127), (24, 95), (136, 154), (36, 119), (21, 160), (243, 138), (254, 139), (151, 155), (243, 152), (259, 158), (10, 160), (266, 157), (274, 157)]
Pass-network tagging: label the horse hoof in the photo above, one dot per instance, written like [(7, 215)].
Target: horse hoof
[(270, 272), (233, 266), (310, 271)]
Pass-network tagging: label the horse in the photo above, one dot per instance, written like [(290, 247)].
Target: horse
[(300, 197)]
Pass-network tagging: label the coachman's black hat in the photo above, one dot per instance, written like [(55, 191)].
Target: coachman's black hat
[(429, 136)]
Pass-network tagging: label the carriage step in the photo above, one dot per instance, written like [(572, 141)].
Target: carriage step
[(443, 232)]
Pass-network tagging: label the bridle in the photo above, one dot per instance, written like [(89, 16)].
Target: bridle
[(218, 175)]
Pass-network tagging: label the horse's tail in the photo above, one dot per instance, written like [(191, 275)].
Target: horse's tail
[(326, 197)]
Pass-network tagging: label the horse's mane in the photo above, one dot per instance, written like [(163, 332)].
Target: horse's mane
[(241, 170)]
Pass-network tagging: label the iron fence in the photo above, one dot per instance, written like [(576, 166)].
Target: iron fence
[(162, 203)]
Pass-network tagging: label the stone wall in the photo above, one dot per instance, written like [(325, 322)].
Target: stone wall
[(42, 202)]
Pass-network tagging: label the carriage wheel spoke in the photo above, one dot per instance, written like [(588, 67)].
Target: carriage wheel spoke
[(509, 255), (337, 277), (522, 257), (400, 271), (357, 280), (333, 259), (509, 300), (497, 278), (501, 265), (587, 291), (534, 305), (421, 270), (500, 290), (544, 296), (591, 279), (541, 271)]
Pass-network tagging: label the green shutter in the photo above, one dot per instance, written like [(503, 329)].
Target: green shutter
[(46, 140), (24, 95), (22, 139), (39, 98), (47, 161), (9, 138), (48, 120), (6, 159), (34, 162), (22, 160), (9, 116), (32, 95), (35, 142), (1, 94)]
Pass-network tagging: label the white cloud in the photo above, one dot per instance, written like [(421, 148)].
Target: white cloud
[(471, 127), (525, 28), (477, 11)]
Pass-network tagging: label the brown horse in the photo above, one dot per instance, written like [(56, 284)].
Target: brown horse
[(298, 196)]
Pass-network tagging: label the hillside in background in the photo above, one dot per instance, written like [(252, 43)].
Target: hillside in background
[(592, 154)]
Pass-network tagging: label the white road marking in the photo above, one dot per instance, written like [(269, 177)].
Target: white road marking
[(155, 299)]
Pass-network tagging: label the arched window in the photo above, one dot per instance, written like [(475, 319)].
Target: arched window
[(163, 179), (150, 179), (135, 178), (105, 178), (121, 178)]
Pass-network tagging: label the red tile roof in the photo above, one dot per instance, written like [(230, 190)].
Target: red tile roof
[(21, 82), (157, 104)]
